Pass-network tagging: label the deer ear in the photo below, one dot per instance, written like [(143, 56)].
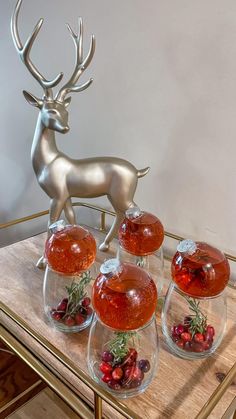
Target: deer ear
[(32, 100), (67, 101)]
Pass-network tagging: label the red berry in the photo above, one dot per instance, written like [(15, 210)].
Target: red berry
[(188, 346), (117, 373), (83, 311), (198, 337), (114, 385), (106, 378), (197, 347), (137, 374), (208, 337), (89, 311), (56, 315), (86, 301), (206, 345), (79, 318), (180, 343), (69, 321), (210, 330), (62, 306), (179, 329), (105, 367), (144, 365), (135, 383), (133, 353), (186, 337), (107, 356), (128, 372)]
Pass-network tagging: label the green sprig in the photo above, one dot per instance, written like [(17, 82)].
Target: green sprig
[(119, 345), (198, 322), (76, 293)]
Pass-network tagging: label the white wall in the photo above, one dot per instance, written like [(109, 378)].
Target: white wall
[(164, 95)]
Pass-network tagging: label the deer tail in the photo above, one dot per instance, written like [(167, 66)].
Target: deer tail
[(143, 172)]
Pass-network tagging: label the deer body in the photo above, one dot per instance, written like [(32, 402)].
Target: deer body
[(58, 175)]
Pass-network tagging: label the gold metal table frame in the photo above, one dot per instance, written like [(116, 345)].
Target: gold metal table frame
[(53, 379)]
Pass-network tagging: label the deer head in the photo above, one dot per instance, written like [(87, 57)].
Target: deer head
[(53, 111)]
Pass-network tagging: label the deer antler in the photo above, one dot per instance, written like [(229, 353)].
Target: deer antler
[(24, 52), (80, 64)]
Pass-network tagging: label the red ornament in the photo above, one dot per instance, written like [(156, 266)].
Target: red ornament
[(71, 250), (200, 270), (125, 296), (141, 233)]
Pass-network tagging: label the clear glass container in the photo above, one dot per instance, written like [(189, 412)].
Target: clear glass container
[(140, 238), (123, 363), (70, 253), (193, 327)]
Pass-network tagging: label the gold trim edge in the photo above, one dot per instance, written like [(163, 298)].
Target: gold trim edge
[(88, 381), (96, 208)]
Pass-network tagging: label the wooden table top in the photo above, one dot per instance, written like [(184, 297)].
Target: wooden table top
[(180, 388)]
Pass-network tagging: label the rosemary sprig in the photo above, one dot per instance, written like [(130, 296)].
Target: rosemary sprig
[(198, 320), (76, 293), (119, 345)]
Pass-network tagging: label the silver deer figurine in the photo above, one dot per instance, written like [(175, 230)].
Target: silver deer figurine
[(60, 176)]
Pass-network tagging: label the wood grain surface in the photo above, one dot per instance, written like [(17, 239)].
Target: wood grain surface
[(18, 383), (180, 387)]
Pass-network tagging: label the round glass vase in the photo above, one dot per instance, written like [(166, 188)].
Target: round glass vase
[(123, 363), (67, 302), (193, 327), (153, 264)]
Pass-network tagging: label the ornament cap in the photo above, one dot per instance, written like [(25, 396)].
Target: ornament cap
[(133, 212), (111, 266), (187, 246), (57, 226)]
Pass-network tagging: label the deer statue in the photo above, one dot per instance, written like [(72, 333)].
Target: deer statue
[(60, 176)]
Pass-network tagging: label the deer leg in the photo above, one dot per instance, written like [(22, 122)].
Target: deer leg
[(56, 208), (112, 232), (69, 212)]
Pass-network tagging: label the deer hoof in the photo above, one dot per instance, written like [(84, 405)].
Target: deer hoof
[(104, 247), (41, 264)]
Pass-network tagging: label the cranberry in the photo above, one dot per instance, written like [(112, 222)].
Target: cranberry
[(89, 311), (137, 374), (117, 373), (62, 306), (210, 330), (186, 337), (175, 337), (206, 345), (114, 385), (83, 311), (180, 343), (197, 347), (105, 367), (128, 372), (79, 319), (208, 337), (179, 329), (56, 315), (107, 356), (86, 301), (188, 346), (131, 357), (69, 321), (144, 365), (135, 383), (198, 337), (106, 378)]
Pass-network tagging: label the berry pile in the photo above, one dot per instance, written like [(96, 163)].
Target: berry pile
[(192, 340), (128, 373), (64, 313)]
